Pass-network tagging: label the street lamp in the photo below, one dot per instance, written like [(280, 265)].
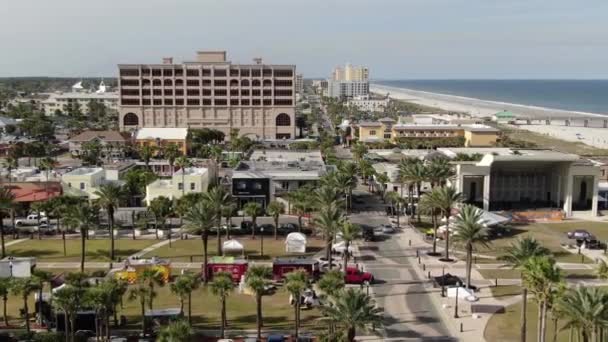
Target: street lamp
[(456, 305), (443, 281), (262, 241), (10, 267)]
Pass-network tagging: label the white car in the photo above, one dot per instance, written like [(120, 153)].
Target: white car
[(340, 248), (388, 229)]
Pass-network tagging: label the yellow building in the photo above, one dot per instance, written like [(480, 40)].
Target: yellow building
[(475, 135), (160, 137)]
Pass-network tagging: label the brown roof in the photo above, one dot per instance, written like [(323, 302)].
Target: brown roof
[(34, 191), (107, 136), (370, 124)]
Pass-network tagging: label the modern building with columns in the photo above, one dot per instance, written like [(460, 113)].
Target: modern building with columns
[(211, 92), (520, 180)]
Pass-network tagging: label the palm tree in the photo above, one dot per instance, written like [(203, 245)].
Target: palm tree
[(183, 288), (416, 173), (24, 287), (358, 150), (540, 275), (382, 180), (275, 209), (10, 163), (101, 299), (151, 278), (109, 197), (439, 171), (218, 198), (68, 300), (395, 200), (427, 206), (182, 162), (146, 153), (256, 280), (41, 277), (352, 310), (585, 309), (295, 283), (301, 204), (367, 171), (346, 180), (602, 270), (522, 250), (84, 217), (161, 207), (5, 289), (404, 175), (222, 286), (177, 331), (201, 217), (171, 152), (349, 233), (469, 231), (324, 196), (328, 220), (253, 209), (332, 282), (141, 292), (7, 200), (445, 199)]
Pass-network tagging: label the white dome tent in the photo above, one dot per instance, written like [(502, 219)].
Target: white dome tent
[(295, 243), (232, 247)]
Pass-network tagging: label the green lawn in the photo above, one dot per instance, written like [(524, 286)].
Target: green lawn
[(507, 273), (51, 250), (182, 250), (505, 290)]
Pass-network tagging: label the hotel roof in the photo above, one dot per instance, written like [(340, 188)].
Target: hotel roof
[(102, 135), (147, 133)]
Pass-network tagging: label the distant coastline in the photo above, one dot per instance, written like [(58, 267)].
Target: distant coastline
[(473, 106)]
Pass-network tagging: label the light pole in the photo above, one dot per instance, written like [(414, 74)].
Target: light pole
[(10, 267), (456, 305), (443, 282), (262, 241)]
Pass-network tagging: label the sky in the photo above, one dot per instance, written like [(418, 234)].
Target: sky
[(396, 39)]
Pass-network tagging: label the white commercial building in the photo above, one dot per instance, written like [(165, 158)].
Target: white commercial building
[(195, 179), (58, 101), (84, 182), (365, 103), (347, 89)]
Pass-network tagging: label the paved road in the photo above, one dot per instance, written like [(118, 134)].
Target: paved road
[(409, 312)]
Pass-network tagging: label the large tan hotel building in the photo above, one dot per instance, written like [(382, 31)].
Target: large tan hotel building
[(258, 99)]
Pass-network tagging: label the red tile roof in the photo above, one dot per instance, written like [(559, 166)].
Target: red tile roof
[(34, 191)]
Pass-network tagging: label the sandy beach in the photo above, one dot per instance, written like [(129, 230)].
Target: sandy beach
[(593, 136)]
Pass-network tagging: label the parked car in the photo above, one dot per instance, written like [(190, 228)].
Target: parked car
[(31, 220), (324, 263), (286, 228), (340, 248), (578, 234), (354, 275), (387, 229), (368, 233), (308, 298)]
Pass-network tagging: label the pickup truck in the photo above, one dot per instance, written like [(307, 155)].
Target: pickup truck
[(354, 275), (31, 220)]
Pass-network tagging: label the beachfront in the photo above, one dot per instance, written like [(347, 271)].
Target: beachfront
[(592, 136)]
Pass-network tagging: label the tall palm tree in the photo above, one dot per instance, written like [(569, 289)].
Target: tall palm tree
[(84, 217), (349, 233), (395, 200), (171, 152), (406, 180), (176, 331), (141, 292), (540, 275), (351, 310), (182, 162), (585, 309), (7, 201), (346, 180), (324, 196), (161, 207), (416, 173), (201, 218), (439, 171), (146, 153), (5, 289), (367, 171), (42, 277), (358, 150), (256, 280), (428, 207), (151, 278), (328, 220), (295, 283), (222, 286), (67, 299), (109, 197), (100, 298), (446, 199), (522, 250), (382, 180), (470, 231), (275, 209), (253, 209), (332, 282), (183, 287), (24, 287), (218, 198)]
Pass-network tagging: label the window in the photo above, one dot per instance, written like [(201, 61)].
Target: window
[(241, 185), (81, 186), (220, 73), (180, 186), (283, 120), (192, 186), (372, 132), (257, 186), (130, 119), (285, 185)]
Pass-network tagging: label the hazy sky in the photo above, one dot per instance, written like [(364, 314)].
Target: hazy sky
[(397, 39)]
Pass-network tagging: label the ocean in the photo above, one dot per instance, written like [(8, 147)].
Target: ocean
[(589, 96)]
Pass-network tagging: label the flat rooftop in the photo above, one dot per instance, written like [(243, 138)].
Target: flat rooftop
[(148, 133), (286, 156), (192, 171), (84, 171), (280, 170)]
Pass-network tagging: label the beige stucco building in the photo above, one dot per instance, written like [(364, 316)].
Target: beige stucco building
[(258, 99), (195, 179)]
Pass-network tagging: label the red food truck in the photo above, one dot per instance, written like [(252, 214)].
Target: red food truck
[(282, 266), (236, 267)]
